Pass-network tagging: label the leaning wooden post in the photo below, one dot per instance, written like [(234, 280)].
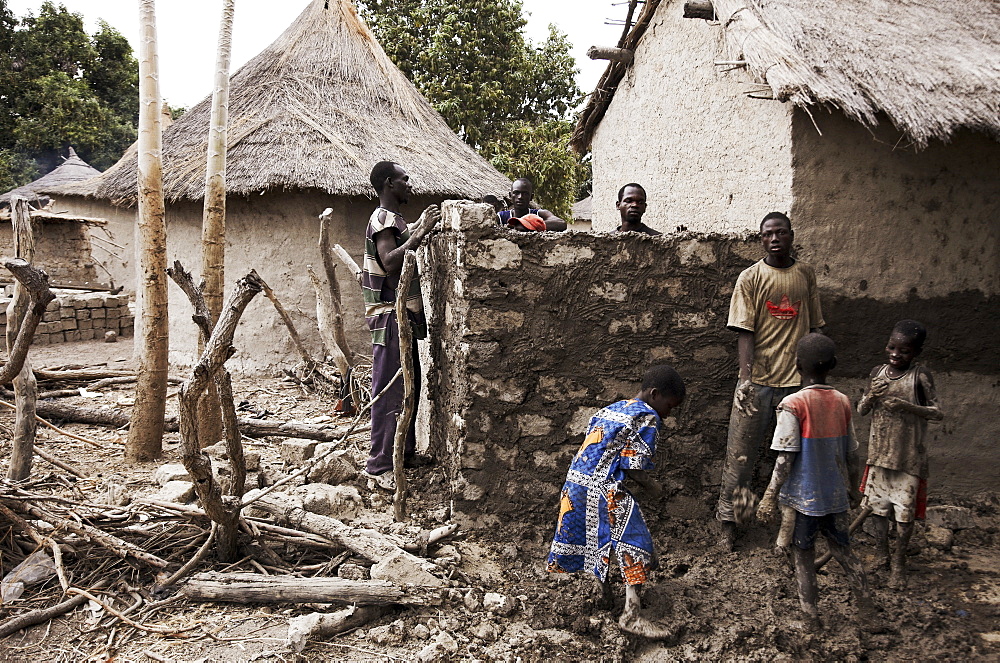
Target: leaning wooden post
[(145, 434), (25, 386), (409, 405)]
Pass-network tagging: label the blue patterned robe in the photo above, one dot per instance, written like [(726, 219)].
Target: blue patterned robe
[(597, 514)]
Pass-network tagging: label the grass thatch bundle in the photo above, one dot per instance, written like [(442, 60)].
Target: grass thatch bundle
[(315, 110), (931, 67), (73, 169)]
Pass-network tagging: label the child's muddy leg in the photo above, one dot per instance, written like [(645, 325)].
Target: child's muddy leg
[(632, 622), (881, 541), (606, 600), (856, 576), (897, 576), (805, 575)]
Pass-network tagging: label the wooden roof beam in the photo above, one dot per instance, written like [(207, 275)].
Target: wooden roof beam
[(700, 9)]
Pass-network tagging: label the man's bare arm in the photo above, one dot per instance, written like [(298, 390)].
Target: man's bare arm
[(552, 222), (391, 256)]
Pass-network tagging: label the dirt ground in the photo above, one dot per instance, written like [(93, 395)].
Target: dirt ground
[(729, 606)]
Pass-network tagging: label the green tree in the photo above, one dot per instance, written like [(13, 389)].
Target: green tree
[(60, 87), (507, 97)]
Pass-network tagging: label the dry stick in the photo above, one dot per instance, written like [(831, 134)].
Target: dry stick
[(327, 317), (330, 267), (25, 385), (57, 429), (200, 555), (218, 348), (48, 458), (162, 630), (42, 541), (283, 314), (858, 522), (316, 459), (406, 365), (43, 615), (346, 258), (113, 543)]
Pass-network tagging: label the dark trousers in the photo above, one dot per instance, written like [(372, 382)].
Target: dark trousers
[(385, 363)]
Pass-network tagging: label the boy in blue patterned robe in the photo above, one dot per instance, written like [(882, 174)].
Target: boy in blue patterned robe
[(598, 516)]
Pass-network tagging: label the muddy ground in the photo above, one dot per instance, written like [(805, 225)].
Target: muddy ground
[(741, 605)]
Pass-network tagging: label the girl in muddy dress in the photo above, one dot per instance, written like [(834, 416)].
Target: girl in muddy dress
[(599, 518)]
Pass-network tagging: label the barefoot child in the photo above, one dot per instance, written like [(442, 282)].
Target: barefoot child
[(816, 473), (598, 517), (901, 399)]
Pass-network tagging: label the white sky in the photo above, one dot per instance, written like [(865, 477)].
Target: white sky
[(187, 32)]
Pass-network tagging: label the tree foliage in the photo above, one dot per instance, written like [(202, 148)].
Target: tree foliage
[(60, 87), (507, 97)]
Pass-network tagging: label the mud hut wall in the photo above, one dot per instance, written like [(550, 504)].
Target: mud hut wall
[(62, 249), (711, 158), (532, 333), (895, 234), (111, 244)]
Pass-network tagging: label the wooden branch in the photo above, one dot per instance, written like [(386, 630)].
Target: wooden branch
[(346, 258), (48, 458), (368, 543), (317, 625), (224, 511), (287, 319), (35, 282), (330, 267), (699, 9), (19, 311), (111, 542), (622, 55), (202, 317), (327, 321), (42, 615), (258, 588), (200, 555), (81, 375), (405, 417)]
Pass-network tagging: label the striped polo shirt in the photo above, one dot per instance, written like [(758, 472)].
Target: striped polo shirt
[(380, 297)]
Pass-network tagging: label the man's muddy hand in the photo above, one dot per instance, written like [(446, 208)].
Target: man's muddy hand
[(429, 218), (744, 398), (767, 510)]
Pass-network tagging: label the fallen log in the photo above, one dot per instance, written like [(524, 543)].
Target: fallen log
[(15, 624), (368, 543), (118, 418), (318, 625), (259, 588)]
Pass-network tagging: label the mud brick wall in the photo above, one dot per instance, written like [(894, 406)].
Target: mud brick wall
[(79, 316), (532, 333), (62, 249)]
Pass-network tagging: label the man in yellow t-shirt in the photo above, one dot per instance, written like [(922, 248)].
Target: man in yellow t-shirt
[(774, 304)]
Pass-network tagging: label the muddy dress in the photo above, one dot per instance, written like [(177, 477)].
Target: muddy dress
[(598, 516)]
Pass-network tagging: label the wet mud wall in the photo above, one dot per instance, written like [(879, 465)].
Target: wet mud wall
[(531, 333)]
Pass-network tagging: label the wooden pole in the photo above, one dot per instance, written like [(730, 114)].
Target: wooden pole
[(257, 588), (699, 9), (409, 404), (145, 435), (25, 386)]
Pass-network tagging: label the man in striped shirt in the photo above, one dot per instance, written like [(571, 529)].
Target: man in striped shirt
[(387, 239)]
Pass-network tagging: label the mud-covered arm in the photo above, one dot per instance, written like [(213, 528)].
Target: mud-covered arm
[(876, 389), (768, 507), (926, 393), (853, 469), (647, 482)]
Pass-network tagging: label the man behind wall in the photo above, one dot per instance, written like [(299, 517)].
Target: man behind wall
[(387, 239), (522, 216), (774, 304), (631, 206)]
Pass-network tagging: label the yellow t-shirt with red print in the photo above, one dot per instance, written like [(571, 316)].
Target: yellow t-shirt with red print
[(780, 306)]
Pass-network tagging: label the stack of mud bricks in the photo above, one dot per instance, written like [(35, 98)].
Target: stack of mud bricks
[(79, 316)]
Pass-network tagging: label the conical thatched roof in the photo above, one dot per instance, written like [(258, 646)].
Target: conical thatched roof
[(315, 110), (931, 66), (73, 169)]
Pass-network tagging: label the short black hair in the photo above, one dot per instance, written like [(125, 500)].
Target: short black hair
[(911, 330), (621, 191), (382, 171), (526, 180), (776, 215), (817, 351), (664, 379)]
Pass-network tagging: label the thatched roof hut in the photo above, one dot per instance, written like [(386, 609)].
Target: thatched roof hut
[(73, 169), (930, 67), (314, 111)]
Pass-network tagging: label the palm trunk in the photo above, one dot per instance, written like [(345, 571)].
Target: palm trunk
[(145, 435), (213, 230)]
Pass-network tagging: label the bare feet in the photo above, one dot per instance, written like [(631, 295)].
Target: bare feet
[(632, 622)]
